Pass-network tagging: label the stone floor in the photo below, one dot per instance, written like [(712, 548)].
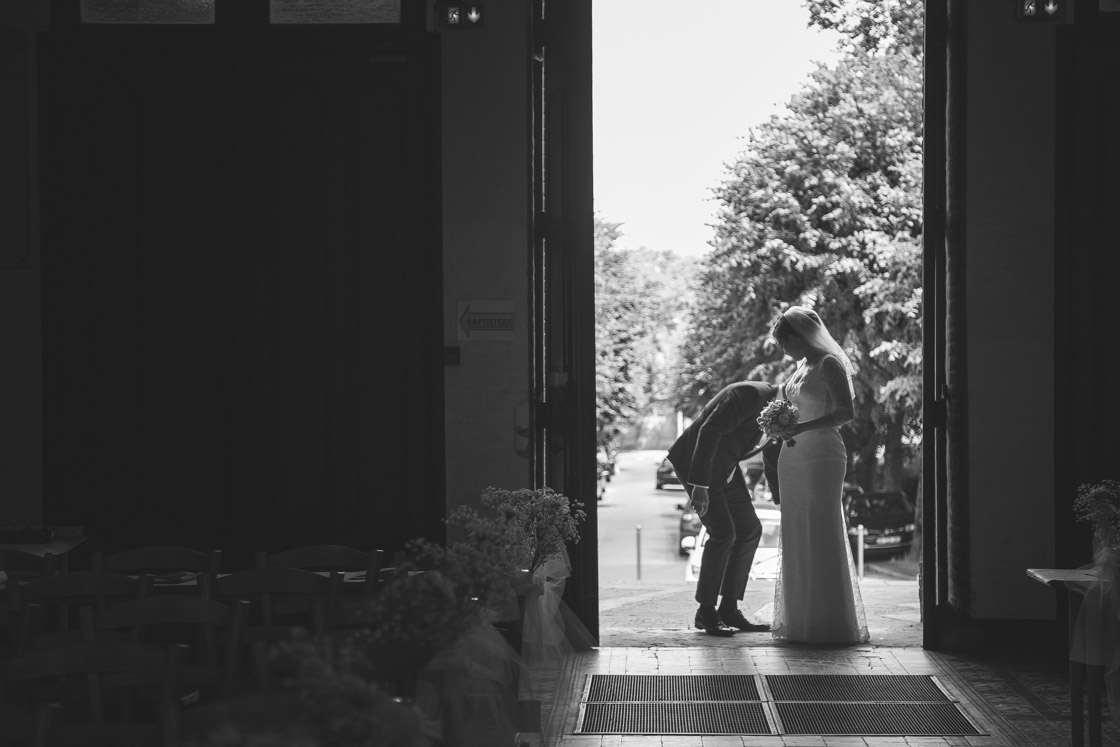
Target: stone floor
[(1017, 700)]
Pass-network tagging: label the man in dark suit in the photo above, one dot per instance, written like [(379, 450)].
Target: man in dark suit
[(706, 459)]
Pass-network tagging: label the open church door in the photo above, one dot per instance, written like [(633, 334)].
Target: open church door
[(241, 284), (933, 517), (563, 275)]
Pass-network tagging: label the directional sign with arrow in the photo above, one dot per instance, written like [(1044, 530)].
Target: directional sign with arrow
[(485, 321)]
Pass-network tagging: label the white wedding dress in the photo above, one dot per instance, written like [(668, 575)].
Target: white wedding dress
[(816, 597)]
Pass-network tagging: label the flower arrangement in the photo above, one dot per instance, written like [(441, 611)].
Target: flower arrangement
[(416, 616), (482, 562), (342, 703), (1099, 504), (547, 520), (777, 420)]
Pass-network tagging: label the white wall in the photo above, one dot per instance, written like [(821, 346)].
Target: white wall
[(486, 245)]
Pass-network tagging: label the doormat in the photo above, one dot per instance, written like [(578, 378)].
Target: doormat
[(673, 718), (612, 688), (834, 705)]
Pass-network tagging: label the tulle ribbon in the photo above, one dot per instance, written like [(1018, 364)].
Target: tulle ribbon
[(474, 686), (471, 689), (550, 630), (1097, 627)]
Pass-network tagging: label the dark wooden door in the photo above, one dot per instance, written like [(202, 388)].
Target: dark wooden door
[(564, 275), (241, 290), (1087, 264)]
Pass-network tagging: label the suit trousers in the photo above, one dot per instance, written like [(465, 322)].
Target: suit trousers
[(734, 532)]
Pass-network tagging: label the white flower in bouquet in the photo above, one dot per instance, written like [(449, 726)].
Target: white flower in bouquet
[(778, 419)]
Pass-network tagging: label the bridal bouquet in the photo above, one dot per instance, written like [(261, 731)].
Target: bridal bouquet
[(777, 420)]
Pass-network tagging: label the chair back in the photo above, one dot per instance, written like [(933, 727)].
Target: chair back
[(159, 559), (328, 558), (18, 628), (107, 672), (214, 630), (23, 564), (264, 587), (28, 727), (64, 592)]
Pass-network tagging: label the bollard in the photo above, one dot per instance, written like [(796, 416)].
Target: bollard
[(638, 538), (860, 534)]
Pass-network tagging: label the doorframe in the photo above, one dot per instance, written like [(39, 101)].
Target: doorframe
[(572, 43), (933, 567), (563, 278)]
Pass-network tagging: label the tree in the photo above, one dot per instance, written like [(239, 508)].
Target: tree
[(638, 302), (872, 26), (824, 209)]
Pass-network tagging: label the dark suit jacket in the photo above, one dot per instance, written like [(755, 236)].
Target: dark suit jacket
[(723, 434)]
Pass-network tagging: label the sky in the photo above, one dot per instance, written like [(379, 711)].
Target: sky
[(677, 87)]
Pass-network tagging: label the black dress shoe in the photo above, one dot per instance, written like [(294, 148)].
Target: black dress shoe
[(708, 621), (736, 620)]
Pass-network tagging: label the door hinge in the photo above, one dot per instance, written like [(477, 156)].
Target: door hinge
[(937, 414), (540, 38)]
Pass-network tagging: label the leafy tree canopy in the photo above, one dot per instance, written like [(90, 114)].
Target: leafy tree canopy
[(638, 304), (823, 209), (870, 26)]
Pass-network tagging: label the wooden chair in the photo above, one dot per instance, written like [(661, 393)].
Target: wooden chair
[(21, 565), (20, 727), (302, 596), (328, 558), (63, 593), (214, 630), (105, 676), (264, 587), (18, 628), (159, 561)]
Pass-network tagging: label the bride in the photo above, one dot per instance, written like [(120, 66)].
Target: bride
[(817, 598)]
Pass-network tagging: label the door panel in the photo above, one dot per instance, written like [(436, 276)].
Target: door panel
[(242, 294)]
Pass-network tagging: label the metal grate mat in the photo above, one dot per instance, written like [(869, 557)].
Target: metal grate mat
[(834, 705), (849, 688), (616, 688), (673, 718), (875, 719)]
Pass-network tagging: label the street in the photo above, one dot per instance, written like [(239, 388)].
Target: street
[(632, 510), (644, 599)]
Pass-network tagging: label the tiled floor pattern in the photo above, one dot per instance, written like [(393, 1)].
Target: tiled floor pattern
[(1018, 701)]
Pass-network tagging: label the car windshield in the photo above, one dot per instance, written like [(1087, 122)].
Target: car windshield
[(877, 504)]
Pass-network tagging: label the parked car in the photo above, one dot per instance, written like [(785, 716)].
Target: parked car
[(767, 559), (689, 527), (666, 475), (888, 519), (608, 459)]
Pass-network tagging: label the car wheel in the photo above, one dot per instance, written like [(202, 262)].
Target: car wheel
[(659, 486)]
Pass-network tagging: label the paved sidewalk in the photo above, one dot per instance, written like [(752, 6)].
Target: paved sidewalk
[(658, 615)]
